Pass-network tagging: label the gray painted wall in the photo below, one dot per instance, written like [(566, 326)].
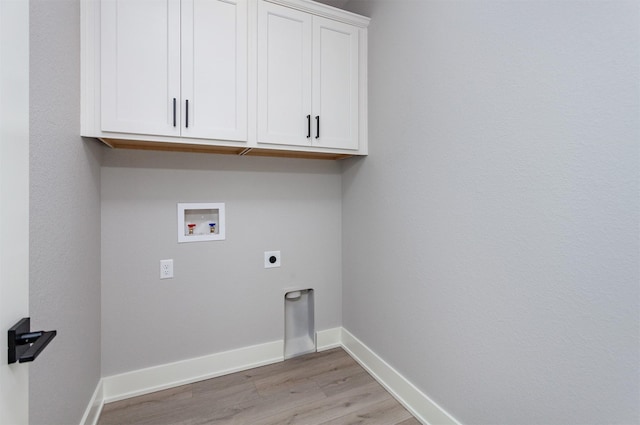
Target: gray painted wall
[(64, 230), (221, 297), (490, 239)]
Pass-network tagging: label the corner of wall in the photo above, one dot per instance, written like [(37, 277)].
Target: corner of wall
[(94, 408)]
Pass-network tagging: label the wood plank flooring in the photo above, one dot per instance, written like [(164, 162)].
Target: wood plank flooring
[(327, 388)]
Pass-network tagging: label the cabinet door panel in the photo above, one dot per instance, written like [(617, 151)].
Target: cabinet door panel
[(214, 68), (335, 83), (140, 65), (284, 75)]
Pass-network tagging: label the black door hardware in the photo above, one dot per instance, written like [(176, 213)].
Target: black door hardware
[(317, 126), (308, 126), (24, 345)]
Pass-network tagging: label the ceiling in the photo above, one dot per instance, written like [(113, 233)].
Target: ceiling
[(335, 3)]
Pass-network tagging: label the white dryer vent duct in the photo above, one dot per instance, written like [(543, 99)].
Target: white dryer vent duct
[(299, 328)]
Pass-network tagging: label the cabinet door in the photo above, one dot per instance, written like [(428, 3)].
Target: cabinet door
[(140, 66), (284, 75), (335, 84), (214, 69)]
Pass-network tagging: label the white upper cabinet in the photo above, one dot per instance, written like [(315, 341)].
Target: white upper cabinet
[(245, 77), (214, 69), (284, 75), (174, 68), (140, 65), (308, 79), (335, 84)]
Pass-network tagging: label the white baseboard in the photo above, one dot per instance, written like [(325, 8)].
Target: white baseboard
[(94, 408), (144, 381), (414, 400), (328, 339)]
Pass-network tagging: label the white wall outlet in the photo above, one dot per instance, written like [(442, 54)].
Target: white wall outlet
[(166, 269), (271, 259)]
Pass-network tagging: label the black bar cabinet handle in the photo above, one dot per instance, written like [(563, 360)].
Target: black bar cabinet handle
[(308, 126), (187, 115), (174, 111), (317, 126)]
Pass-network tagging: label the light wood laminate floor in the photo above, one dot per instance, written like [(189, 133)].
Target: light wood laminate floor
[(327, 388)]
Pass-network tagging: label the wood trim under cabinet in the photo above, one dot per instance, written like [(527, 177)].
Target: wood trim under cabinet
[(296, 154), (173, 147), (225, 150)]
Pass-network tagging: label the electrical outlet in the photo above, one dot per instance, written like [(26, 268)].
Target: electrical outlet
[(166, 269), (271, 259)]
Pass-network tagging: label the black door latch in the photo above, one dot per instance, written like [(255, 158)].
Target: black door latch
[(24, 345)]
